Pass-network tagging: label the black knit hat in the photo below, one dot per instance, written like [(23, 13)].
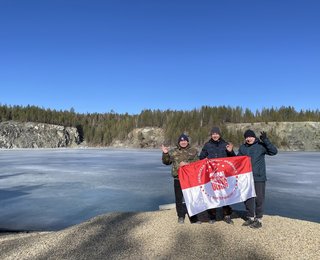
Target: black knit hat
[(249, 133), (215, 130), (183, 137)]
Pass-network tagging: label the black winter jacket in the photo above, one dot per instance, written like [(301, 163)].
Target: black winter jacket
[(257, 152), (215, 149)]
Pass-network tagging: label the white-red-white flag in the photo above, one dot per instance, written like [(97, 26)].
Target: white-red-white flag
[(213, 183)]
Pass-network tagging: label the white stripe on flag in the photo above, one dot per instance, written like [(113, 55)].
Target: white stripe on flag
[(202, 197), (216, 182)]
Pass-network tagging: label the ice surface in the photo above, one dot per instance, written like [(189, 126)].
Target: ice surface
[(50, 189)]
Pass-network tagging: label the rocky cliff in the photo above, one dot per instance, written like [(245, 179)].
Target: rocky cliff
[(36, 135), (148, 137), (289, 136)]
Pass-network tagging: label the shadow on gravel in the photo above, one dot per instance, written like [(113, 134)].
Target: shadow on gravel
[(199, 245), (108, 237), (101, 238), (213, 245)]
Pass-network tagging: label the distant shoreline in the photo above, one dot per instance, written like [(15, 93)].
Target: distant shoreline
[(126, 148)]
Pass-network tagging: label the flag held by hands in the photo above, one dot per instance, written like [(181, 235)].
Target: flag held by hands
[(213, 183)]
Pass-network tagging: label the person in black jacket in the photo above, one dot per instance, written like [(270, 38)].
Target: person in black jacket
[(216, 147), (257, 150)]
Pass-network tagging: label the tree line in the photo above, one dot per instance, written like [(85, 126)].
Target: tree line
[(100, 129)]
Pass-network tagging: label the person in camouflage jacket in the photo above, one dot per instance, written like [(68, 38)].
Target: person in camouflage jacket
[(181, 155)]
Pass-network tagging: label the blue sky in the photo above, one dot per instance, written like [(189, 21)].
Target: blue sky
[(130, 55)]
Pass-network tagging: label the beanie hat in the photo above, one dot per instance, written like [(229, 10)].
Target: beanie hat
[(249, 133), (215, 130), (183, 137)]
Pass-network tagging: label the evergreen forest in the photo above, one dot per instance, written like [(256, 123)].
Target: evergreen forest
[(100, 129)]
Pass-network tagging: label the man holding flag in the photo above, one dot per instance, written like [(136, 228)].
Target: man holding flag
[(216, 147), (182, 155)]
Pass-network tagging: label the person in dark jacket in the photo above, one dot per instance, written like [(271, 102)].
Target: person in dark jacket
[(181, 155), (216, 147), (257, 150)]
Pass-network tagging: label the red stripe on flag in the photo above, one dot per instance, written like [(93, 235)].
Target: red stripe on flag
[(206, 170)]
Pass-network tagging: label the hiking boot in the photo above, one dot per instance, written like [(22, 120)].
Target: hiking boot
[(256, 224), (196, 222), (181, 220), (228, 219), (248, 222)]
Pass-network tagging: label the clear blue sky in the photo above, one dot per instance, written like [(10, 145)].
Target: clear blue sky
[(130, 55)]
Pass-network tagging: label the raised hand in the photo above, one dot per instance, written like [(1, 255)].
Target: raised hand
[(263, 135), (229, 147), (164, 149)]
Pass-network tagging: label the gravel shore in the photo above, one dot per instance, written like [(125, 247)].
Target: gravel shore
[(157, 235)]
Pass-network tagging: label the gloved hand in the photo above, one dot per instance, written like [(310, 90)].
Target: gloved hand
[(263, 135)]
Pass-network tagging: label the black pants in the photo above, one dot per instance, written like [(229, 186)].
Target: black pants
[(255, 206), (180, 205), (226, 210)]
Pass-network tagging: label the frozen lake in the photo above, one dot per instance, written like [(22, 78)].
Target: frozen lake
[(50, 189)]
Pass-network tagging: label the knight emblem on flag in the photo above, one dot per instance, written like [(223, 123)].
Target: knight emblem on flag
[(218, 179), (212, 183)]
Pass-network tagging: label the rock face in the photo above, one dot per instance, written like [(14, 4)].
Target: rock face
[(292, 136), (288, 136), (36, 135), (148, 137)]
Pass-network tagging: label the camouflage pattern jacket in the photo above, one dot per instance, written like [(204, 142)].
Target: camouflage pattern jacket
[(177, 155)]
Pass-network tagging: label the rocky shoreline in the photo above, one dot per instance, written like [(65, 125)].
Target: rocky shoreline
[(292, 136), (157, 235)]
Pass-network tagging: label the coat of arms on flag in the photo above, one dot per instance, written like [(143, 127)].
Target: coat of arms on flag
[(213, 183)]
